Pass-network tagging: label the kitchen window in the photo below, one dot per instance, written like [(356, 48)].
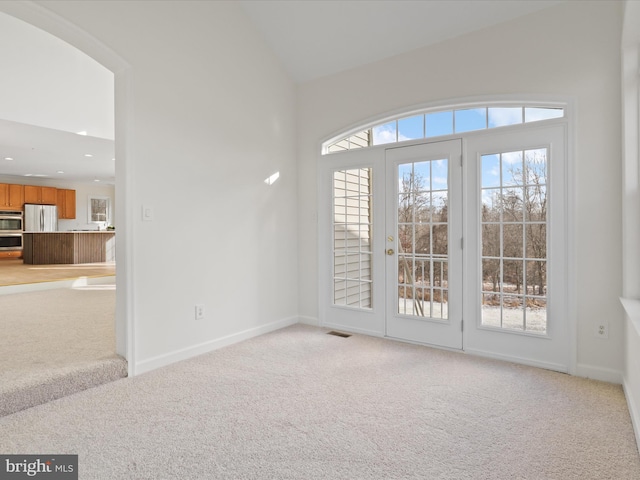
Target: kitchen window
[(99, 210)]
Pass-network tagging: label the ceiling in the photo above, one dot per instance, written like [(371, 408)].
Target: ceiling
[(316, 38), (312, 39), (38, 152), (53, 92)]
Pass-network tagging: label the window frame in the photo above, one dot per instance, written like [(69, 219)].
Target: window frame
[(90, 219)]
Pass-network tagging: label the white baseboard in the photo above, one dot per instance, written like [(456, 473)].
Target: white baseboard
[(519, 360), (633, 411), (599, 373), (195, 350), (313, 321)]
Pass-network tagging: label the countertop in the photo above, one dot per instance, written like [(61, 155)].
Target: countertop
[(78, 231)]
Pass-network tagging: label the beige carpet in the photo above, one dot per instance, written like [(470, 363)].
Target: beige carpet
[(56, 342), (300, 404)]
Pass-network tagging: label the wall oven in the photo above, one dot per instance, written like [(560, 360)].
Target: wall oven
[(11, 227)]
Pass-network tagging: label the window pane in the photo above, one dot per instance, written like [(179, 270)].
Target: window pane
[(491, 240), (491, 205), (439, 174), (536, 240), (352, 237), (422, 176), (385, 133), (423, 239), (512, 240), (535, 114), (500, 117), (490, 171), (471, 119), (512, 172), (411, 128), (535, 166), (536, 314), (440, 123), (512, 312)]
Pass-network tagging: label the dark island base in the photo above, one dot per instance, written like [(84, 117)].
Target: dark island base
[(68, 247)]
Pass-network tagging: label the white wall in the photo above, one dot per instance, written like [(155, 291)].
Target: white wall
[(571, 50), (210, 115)]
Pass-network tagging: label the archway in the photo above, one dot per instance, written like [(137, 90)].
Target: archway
[(40, 17)]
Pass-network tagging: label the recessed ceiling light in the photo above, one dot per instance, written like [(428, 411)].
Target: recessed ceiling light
[(59, 171), (11, 158), (88, 155), (113, 159), (28, 174), (96, 180), (83, 132)]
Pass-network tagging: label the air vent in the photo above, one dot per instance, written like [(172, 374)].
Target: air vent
[(339, 334)]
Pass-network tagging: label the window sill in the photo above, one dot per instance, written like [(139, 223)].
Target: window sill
[(632, 307)]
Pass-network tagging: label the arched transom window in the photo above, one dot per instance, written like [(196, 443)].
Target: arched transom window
[(440, 123)]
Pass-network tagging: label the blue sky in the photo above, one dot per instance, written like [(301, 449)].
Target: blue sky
[(457, 121)]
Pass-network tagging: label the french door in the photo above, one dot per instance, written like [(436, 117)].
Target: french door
[(423, 270), (460, 244)]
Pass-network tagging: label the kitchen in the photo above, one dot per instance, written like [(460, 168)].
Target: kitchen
[(31, 217)]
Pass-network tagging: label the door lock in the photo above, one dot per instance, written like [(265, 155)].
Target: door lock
[(390, 251)]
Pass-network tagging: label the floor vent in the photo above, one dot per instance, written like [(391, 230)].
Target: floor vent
[(339, 334)]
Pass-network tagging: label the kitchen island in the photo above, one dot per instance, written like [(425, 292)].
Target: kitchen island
[(47, 248)]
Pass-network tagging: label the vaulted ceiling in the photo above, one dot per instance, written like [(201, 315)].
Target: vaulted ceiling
[(312, 39)]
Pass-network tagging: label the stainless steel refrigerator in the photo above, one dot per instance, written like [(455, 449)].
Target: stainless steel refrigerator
[(40, 218)]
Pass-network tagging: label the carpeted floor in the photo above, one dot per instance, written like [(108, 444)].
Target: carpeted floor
[(56, 342), (301, 404)]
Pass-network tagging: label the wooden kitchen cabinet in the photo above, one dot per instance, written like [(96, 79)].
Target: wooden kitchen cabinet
[(11, 254), (11, 196), (40, 195), (66, 204)]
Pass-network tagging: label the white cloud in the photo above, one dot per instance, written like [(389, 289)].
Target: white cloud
[(499, 117)]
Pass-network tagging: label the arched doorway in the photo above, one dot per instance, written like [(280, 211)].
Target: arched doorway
[(42, 18)]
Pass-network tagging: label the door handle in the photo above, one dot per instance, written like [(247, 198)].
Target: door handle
[(390, 251)]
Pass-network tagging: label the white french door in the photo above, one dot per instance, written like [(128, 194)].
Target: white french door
[(423, 243), (460, 244)]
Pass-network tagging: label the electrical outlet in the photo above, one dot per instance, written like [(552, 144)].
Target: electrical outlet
[(199, 312), (602, 330)]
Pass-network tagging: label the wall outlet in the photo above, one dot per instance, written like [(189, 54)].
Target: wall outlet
[(602, 330), (199, 312)]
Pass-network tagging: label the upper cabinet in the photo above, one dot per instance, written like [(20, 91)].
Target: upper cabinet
[(66, 204), (40, 195), (11, 196)]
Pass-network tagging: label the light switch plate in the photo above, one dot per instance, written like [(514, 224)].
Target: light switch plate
[(147, 213)]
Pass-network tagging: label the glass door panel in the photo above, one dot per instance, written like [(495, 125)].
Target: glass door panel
[(422, 232), (514, 240)]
